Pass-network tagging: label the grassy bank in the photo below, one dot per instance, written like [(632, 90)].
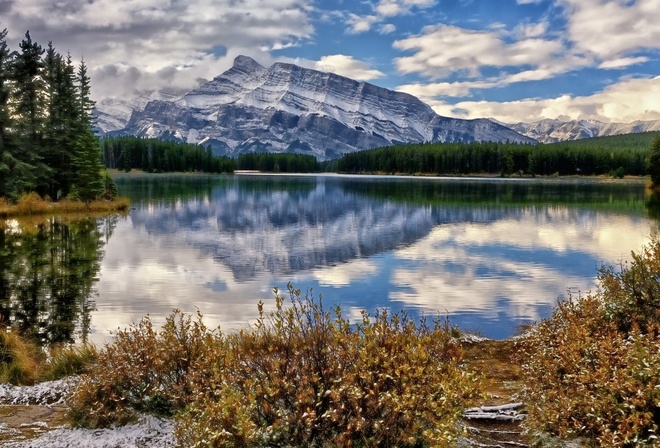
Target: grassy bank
[(32, 204)]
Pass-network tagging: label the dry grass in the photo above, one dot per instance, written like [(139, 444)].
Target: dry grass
[(24, 362), (31, 204), (20, 359)]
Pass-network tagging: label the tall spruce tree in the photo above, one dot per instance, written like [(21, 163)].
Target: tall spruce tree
[(28, 105), (654, 163), (89, 180), (62, 122)]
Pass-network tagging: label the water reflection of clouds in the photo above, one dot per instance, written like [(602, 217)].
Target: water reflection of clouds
[(345, 274), (511, 266), (133, 284)]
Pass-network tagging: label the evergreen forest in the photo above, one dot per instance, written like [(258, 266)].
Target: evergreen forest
[(160, 156), (616, 155), (47, 144)]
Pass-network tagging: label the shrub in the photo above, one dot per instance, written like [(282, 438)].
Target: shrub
[(143, 371), (593, 368), (306, 377)]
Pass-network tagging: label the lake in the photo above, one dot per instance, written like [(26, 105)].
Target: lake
[(489, 254)]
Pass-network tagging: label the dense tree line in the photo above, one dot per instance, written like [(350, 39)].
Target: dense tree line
[(587, 158), (46, 139), (152, 155), (284, 163)]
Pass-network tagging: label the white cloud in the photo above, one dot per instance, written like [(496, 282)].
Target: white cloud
[(428, 92), (142, 37), (622, 62), (384, 10), (360, 24), (386, 28), (347, 66), (625, 101), (445, 49), (530, 30), (610, 29)]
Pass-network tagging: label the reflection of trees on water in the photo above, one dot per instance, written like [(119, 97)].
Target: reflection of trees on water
[(47, 275)]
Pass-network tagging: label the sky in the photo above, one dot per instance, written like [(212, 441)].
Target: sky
[(512, 60)]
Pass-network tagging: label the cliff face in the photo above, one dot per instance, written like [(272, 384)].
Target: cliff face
[(287, 108)]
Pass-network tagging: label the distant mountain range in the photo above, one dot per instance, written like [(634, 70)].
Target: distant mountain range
[(287, 108), (551, 131)]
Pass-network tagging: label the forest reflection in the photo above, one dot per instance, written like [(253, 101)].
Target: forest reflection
[(48, 269)]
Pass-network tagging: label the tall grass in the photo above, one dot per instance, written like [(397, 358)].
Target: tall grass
[(24, 362), (21, 359), (31, 204)]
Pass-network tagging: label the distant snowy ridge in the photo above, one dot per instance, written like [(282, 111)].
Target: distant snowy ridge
[(287, 108), (551, 131)]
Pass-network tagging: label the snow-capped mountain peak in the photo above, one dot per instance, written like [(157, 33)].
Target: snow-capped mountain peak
[(288, 108)]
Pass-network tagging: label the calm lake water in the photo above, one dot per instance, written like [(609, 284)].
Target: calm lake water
[(489, 254)]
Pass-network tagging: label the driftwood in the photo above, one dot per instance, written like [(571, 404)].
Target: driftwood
[(505, 412)]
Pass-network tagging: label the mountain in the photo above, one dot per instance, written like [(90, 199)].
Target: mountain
[(287, 108), (112, 114), (551, 131)]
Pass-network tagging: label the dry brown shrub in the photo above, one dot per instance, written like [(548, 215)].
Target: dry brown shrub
[(306, 377), (593, 368)]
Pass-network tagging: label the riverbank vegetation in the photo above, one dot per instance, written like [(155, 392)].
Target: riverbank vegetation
[(592, 369), (303, 375), (30, 204)]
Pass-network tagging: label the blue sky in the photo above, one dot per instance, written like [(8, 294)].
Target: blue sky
[(513, 60)]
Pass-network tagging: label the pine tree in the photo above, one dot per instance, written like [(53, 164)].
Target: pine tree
[(28, 104), (654, 163), (90, 182), (7, 160), (62, 126)]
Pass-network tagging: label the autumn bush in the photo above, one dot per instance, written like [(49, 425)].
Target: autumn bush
[(301, 376), (592, 369), (304, 376), (144, 370)]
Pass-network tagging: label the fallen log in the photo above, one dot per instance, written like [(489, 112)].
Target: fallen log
[(505, 412)]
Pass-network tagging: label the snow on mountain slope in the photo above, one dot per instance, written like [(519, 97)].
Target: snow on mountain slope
[(550, 131), (287, 108), (113, 114)]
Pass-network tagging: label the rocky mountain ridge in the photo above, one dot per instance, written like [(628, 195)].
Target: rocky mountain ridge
[(551, 131), (287, 108)]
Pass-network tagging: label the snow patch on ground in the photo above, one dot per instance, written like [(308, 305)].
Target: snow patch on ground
[(48, 392), (149, 432)]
